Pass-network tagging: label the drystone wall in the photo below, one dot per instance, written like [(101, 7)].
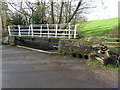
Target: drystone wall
[(80, 49), (89, 50)]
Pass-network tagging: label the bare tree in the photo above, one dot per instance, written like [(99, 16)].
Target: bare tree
[(4, 18), (61, 11), (52, 11), (0, 19)]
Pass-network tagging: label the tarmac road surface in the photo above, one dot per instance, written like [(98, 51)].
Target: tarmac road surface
[(22, 68)]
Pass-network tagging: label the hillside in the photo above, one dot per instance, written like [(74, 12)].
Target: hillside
[(96, 27)]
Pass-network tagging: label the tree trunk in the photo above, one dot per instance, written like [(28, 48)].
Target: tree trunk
[(61, 9), (52, 12), (0, 27)]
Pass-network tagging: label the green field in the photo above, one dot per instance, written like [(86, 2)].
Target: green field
[(96, 27)]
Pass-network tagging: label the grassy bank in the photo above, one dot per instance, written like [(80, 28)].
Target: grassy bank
[(96, 27), (96, 63)]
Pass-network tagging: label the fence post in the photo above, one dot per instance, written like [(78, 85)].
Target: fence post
[(69, 30), (41, 30), (29, 31), (75, 31), (32, 29), (9, 31), (19, 30), (48, 29), (56, 30)]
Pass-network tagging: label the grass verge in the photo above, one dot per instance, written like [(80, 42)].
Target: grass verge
[(96, 63), (97, 27)]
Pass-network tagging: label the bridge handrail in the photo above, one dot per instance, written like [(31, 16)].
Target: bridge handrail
[(33, 29)]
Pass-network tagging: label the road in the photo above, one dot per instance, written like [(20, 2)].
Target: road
[(22, 68)]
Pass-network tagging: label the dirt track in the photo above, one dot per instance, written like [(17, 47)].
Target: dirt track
[(30, 69)]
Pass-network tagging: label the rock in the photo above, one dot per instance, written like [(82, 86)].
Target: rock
[(102, 53)]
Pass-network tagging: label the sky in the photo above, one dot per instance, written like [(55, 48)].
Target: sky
[(99, 12), (111, 10)]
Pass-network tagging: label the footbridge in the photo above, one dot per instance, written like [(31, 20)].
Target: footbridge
[(43, 30)]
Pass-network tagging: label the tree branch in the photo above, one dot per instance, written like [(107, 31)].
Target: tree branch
[(79, 4)]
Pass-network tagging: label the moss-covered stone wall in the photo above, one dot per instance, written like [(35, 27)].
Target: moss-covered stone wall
[(76, 47)]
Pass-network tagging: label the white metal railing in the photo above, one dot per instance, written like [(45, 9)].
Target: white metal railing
[(44, 30)]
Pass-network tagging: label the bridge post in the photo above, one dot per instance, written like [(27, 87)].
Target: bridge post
[(29, 31), (41, 31), (69, 30), (56, 30), (19, 30), (48, 29), (75, 31), (9, 31), (32, 29)]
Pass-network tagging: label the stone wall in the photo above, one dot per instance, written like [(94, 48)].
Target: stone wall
[(74, 47), (89, 50)]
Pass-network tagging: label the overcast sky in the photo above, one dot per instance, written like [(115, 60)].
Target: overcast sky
[(99, 12), (110, 12)]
